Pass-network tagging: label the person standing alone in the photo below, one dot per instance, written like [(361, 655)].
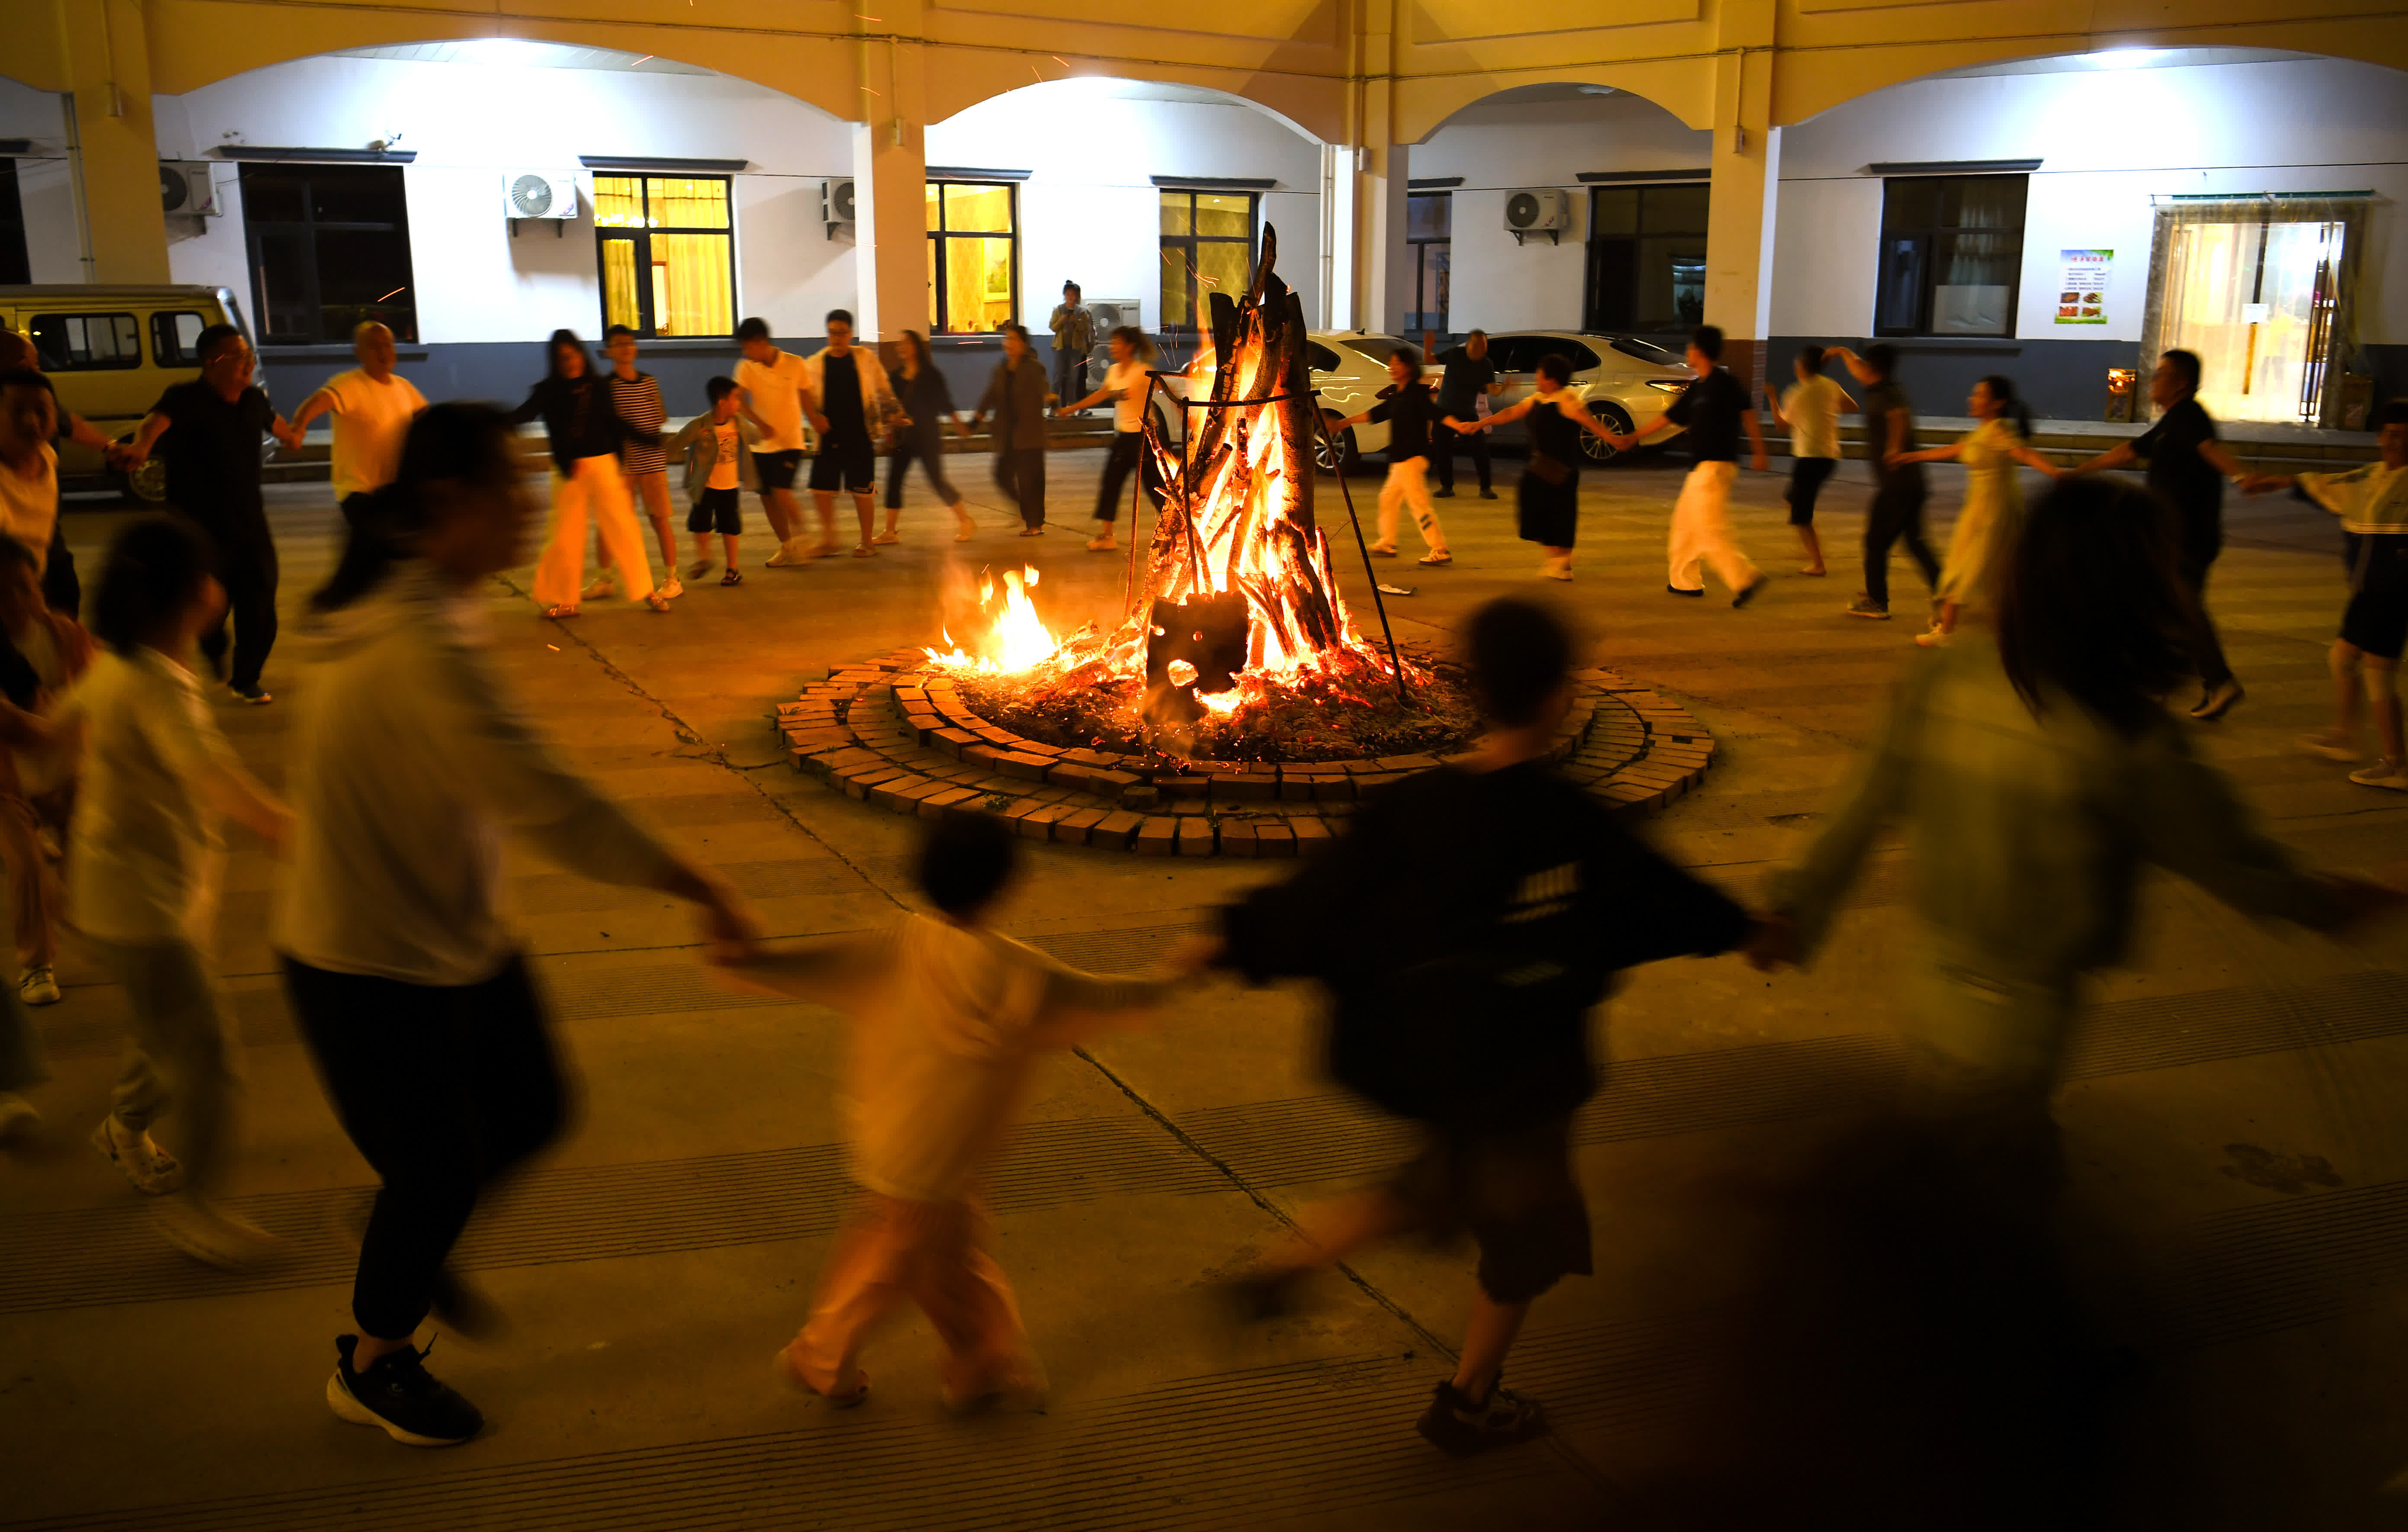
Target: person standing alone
[(212, 426), (1469, 377), (1714, 407), (1074, 336), (372, 406)]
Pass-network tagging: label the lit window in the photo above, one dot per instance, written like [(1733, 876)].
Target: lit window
[(974, 256), (669, 257), (1208, 247)]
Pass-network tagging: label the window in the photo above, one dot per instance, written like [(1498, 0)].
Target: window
[(1647, 258), (1429, 251), (87, 343), (1521, 354), (668, 253), (329, 249), (974, 256), (16, 266), (1952, 255), (175, 338), (1208, 247), (1319, 357)]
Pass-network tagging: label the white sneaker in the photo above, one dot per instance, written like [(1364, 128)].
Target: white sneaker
[(2385, 772), (17, 1115), (210, 1235), (791, 553), (605, 586), (38, 987), (674, 589), (150, 1168)]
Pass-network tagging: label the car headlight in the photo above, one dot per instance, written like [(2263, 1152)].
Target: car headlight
[(1666, 386)]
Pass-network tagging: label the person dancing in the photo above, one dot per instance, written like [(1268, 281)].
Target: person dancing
[(928, 407), (585, 429), (1126, 387), (636, 395), (1714, 408), (1992, 515), (1549, 492)]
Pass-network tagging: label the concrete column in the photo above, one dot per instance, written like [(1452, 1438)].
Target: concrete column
[(106, 61), (890, 179), (1745, 163)]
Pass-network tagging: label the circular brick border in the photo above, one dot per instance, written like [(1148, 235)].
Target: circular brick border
[(893, 732)]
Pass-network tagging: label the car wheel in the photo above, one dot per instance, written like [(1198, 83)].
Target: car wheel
[(1596, 448), (1334, 450), (146, 485)]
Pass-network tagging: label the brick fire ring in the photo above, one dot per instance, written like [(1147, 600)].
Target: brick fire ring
[(893, 732)]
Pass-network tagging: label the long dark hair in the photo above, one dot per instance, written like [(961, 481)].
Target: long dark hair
[(455, 440), (552, 352), (2012, 408), (155, 568), (915, 349), (2090, 607)]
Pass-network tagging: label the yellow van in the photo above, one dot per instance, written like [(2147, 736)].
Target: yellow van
[(110, 352)]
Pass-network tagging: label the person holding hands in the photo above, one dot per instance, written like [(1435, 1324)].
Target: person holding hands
[(1714, 408)]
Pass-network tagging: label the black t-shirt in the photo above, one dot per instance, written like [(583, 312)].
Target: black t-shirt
[(1410, 413), (1883, 400), (1711, 407), (212, 447), (840, 399), (1465, 381), (2178, 471)]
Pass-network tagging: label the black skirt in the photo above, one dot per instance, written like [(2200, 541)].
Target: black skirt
[(1549, 513)]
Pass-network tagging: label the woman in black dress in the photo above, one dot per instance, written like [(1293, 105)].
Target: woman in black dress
[(1550, 488)]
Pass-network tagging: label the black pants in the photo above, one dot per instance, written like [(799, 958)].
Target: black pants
[(1020, 474), (1896, 514), (1128, 455), (61, 592), (1445, 443), (926, 444), (1070, 378), (247, 569), (2206, 649), (442, 1088)]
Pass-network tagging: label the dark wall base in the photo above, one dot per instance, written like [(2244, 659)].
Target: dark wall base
[(2060, 379)]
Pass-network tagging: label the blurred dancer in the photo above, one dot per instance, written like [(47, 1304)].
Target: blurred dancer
[(2372, 504), (1126, 387), (1714, 407), (213, 427), (372, 406), (771, 382), (1410, 414), (1549, 492), (1015, 397), (59, 587), (410, 761), (1896, 513), (717, 445), (2189, 467), (927, 407), (952, 1018), (636, 395), (146, 862), (1470, 379), (585, 429), (43, 653), (1991, 518), (1526, 895), (849, 400), (1809, 410)]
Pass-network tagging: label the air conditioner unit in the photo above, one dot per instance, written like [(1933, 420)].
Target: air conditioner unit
[(539, 193), (1543, 210), (185, 189), (836, 203), (1108, 314)]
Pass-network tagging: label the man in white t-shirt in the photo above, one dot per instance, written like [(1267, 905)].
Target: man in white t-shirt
[(373, 406), (29, 465), (769, 385)]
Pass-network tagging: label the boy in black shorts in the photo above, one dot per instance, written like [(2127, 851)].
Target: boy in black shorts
[(2372, 504), (1524, 894), (718, 448)]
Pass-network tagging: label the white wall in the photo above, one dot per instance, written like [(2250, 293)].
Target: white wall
[(1500, 146), (1090, 212), (2107, 141), (45, 180), (471, 123)]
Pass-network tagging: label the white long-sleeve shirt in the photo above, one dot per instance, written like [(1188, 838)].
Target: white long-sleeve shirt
[(409, 763)]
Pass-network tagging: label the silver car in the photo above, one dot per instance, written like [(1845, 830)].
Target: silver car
[(1350, 367), (1625, 381)]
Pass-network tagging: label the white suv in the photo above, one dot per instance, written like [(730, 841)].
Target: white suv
[(1625, 381)]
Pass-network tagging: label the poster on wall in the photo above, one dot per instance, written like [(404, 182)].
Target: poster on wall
[(2081, 296)]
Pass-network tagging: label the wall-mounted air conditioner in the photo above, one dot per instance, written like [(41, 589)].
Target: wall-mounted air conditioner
[(1543, 210), (1108, 314), (186, 190), (836, 203), (539, 193)]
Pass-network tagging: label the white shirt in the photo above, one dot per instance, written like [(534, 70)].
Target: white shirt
[(727, 456), (776, 395), (145, 857), (1813, 409), (372, 420), (1128, 411), (408, 763), (29, 503)]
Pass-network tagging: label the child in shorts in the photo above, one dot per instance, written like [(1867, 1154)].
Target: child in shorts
[(718, 447), (951, 1020), (1811, 410)]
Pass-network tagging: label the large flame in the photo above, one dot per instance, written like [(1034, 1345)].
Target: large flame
[(1016, 638)]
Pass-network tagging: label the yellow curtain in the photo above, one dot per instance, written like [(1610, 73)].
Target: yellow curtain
[(618, 202), (619, 283), (677, 202), (692, 294)]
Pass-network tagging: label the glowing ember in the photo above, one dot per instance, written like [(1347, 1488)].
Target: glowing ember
[(1016, 640)]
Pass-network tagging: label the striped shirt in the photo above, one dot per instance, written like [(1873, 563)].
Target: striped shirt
[(638, 400)]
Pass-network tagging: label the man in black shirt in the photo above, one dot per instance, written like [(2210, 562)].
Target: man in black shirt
[(1412, 417), (2189, 467), (1470, 375), (1714, 407), (1896, 513), (847, 392), (213, 427), (1525, 895)]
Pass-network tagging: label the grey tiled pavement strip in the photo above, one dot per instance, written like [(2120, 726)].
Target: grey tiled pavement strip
[(2238, 1215)]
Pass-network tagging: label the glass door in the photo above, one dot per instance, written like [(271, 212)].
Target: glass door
[(2256, 301)]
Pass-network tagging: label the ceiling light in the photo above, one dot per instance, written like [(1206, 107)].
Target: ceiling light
[(2126, 58)]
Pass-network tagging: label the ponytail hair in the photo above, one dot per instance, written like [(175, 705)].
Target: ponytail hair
[(456, 440), (2012, 408)]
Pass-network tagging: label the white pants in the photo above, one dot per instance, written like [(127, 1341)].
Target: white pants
[(1408, 485), (596, 486), (1701, 531)]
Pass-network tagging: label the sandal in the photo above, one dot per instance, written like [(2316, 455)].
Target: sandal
[(887, 536), (657, 601), (1032, 532), (967, 527), (1384, 551), (731, 578), (558, 611), (1440, 557), (863, 550)]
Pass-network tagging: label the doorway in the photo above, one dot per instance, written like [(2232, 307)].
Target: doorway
[(2258, 288)]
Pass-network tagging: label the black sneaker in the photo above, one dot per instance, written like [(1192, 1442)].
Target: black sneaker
[(1455, 1423), (1487, 493), (1747, 593), (250, 697), (1675, 590), (1446, 493), (399, 1396)]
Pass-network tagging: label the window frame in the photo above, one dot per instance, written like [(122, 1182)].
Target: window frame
[(1417, 247), (1197, 306), (1928, 278), (165, 350), (258, 230), (938, 321), (1634, 241), (128, 360), (648, 325)]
